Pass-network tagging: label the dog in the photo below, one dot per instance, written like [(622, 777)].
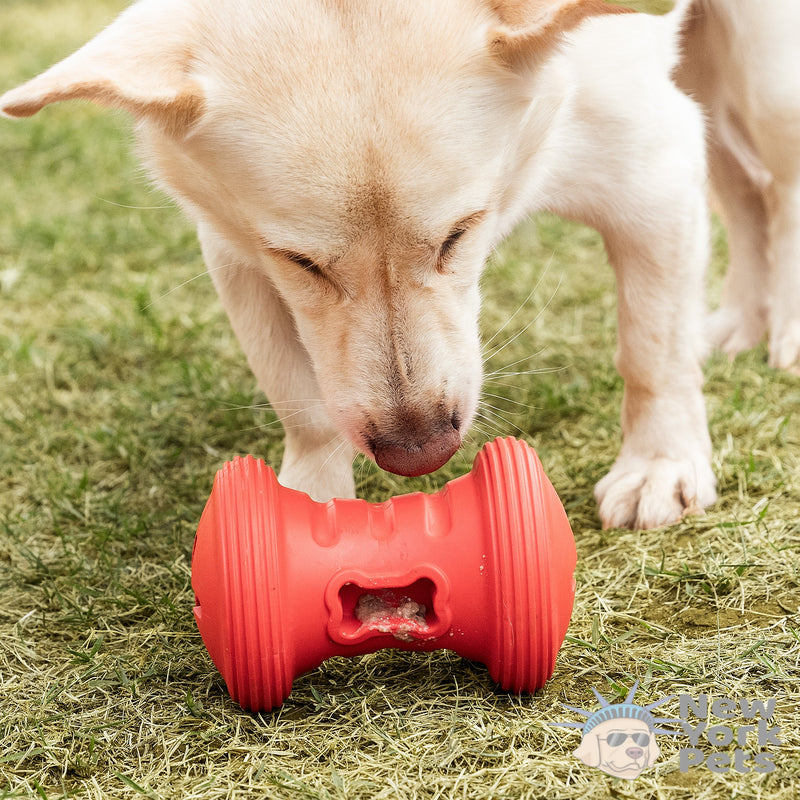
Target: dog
[(349, 167), (741, 62)]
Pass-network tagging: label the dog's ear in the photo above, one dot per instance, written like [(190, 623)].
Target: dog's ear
[(653, 752), (589, 750), (139, 63), (530, 30)]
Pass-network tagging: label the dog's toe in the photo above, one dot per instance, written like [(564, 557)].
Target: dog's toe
[(651, 493), (784, 347), (733, 331)]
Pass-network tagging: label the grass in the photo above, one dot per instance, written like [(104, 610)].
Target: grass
[(123, 391)]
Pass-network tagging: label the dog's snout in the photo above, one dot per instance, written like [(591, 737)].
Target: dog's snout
[(634, 753), (416, 443)]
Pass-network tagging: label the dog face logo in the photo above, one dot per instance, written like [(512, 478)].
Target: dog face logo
[(620, 747), (620, 738)]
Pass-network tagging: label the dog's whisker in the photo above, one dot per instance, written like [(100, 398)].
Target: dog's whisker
[(499, 411), (260, 427), (472, 440), (489, 427), (289, 423), (539, 371), (285, 421), (293, 405), (461, 455), (485, 433), (224, 407), (287, 413), (522, 305), (133, 208), (361, 467), (335, 452), (506, 399), (520, 360), (498, 385), (514, 338), (295, 401), (495, 416), (485, 347), (199, 275), (498, 419)]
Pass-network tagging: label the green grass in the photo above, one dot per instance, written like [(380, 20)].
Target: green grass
[(122, 390)]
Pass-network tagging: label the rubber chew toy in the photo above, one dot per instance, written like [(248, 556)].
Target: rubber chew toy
[(484, 567)]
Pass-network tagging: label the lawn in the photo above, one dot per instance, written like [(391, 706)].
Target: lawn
[(123, 390)]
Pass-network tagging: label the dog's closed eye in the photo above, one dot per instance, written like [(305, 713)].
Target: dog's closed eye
[(299, 259), (324, 278), (448, 246), (450, 242), (308, 264)]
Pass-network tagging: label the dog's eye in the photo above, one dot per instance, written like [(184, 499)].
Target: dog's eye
[(308, 264), (450, 242)]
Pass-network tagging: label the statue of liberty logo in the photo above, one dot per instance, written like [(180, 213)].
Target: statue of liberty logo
[(620, 738)]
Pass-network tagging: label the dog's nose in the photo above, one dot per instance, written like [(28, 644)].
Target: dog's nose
[(634, 753), (416, 444)]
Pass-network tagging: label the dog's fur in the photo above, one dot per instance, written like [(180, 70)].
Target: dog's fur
[(742, 62), (349, 166)]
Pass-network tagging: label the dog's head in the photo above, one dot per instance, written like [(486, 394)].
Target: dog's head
[(364, 155), (620, 747)]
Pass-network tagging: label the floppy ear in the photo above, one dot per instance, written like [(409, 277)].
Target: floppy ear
[(531, 29), (589, 750), (653, 752), (140, 63)]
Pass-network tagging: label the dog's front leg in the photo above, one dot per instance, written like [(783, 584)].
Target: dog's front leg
[(316, 459), (663, 470), (635, 168), (642, 184)]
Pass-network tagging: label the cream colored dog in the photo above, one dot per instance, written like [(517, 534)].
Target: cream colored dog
[(350, 165), (742, 62)]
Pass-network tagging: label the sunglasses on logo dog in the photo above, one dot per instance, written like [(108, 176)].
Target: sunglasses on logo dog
[(617, 738)]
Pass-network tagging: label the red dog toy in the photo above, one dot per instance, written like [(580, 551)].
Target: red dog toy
[(484, 567)]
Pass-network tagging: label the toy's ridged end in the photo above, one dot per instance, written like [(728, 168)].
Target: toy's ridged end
[(535, 558), (235, 578)]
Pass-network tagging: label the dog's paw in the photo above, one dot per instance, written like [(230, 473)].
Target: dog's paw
[(732, 331), (784, 347), (649, 493)]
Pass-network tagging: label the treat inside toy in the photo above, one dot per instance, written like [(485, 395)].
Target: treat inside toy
[(410, 609), (385, 612)]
